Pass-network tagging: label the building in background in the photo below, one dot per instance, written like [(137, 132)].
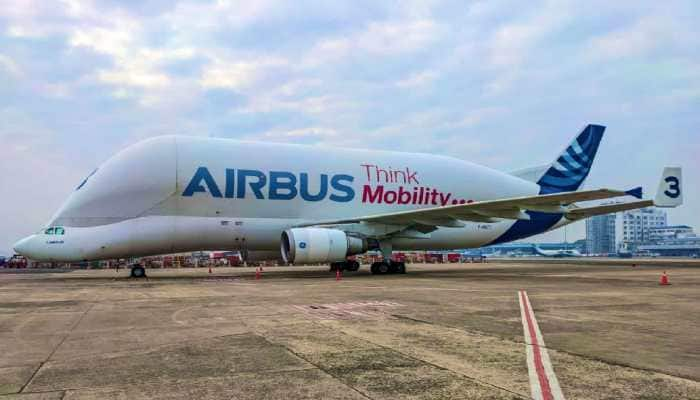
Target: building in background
[(635, 226), (663, 233), (671, 241), (600, 234)]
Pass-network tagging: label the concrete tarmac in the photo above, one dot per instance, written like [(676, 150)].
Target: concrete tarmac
[(440, 331)]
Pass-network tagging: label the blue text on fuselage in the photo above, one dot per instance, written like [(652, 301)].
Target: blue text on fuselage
[(277, 185)]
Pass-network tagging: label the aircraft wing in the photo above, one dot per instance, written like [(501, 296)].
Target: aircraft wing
[(585, 212), (484, 211)]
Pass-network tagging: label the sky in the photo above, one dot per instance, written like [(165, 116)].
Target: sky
[(499, 83)]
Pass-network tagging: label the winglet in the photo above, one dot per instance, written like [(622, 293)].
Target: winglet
[(670, 192), (636, 192)]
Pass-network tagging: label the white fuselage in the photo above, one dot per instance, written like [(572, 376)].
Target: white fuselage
[(177, 194)]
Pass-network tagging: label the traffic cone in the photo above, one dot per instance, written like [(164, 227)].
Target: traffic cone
[(664, 280), (337, 274), (257, 273), (210, 269)]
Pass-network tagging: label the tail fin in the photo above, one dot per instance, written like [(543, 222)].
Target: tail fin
[(570, 169), (538, 251), (670, 192)]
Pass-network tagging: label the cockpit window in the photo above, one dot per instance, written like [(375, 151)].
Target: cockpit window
[(86, 179), (58, 230), (48, 231)]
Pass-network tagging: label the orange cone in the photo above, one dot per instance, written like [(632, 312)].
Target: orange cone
[(664, 280), (210, 269), (337, 274), (257, 273)]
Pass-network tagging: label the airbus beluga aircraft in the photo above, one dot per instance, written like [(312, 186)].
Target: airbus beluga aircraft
[(309, 204)]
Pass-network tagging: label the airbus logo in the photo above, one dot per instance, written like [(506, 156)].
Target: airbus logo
[(273, 185)]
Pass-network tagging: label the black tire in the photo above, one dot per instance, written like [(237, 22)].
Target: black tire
[(401, 268), (375, 268), (352, 266), (393, 267), (384, 268), (138, 272)]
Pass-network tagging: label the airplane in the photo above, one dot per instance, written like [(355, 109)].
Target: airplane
[(557, 253), (313, 204)]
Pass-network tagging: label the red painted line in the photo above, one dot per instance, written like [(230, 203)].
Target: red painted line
[(539, 366)]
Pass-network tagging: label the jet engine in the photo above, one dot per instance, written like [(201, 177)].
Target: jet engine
[(312, 245)]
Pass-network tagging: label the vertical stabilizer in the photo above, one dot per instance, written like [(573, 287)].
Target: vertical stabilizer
[(670, 192), (568, 172)]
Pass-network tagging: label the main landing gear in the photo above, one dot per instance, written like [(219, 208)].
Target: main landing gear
[(138, 271), (349, 265), (391, 267), (387, 266)]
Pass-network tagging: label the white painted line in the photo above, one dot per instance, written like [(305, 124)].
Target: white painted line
[(543, 382)]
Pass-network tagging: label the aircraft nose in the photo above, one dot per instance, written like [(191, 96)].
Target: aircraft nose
[(23, 246)]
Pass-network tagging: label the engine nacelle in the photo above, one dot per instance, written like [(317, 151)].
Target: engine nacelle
[(312, 245)]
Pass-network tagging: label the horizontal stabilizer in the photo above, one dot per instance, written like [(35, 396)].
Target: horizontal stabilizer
[(585, 212), (636, 192)]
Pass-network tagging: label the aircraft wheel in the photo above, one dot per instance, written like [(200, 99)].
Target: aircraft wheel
[(352, 265), (138, 271), (380, 268), (401, 268), (397, 267), (384, 268), (393, 267)]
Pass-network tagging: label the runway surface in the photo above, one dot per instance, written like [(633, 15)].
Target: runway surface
[(440, 331)]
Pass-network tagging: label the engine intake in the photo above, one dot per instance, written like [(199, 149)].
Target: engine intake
[(311, 245)]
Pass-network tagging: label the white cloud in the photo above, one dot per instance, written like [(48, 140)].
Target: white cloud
[(511, 43), (476, 116), (644, 36), (196, 16), (135, 64), (290, 135), (309, 105), (418, 79), (56, 90), (117, 40), (385, 38), (10, 66), (240, 74), (424, 121)]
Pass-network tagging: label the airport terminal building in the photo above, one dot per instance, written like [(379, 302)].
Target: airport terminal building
[(672, 241)]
